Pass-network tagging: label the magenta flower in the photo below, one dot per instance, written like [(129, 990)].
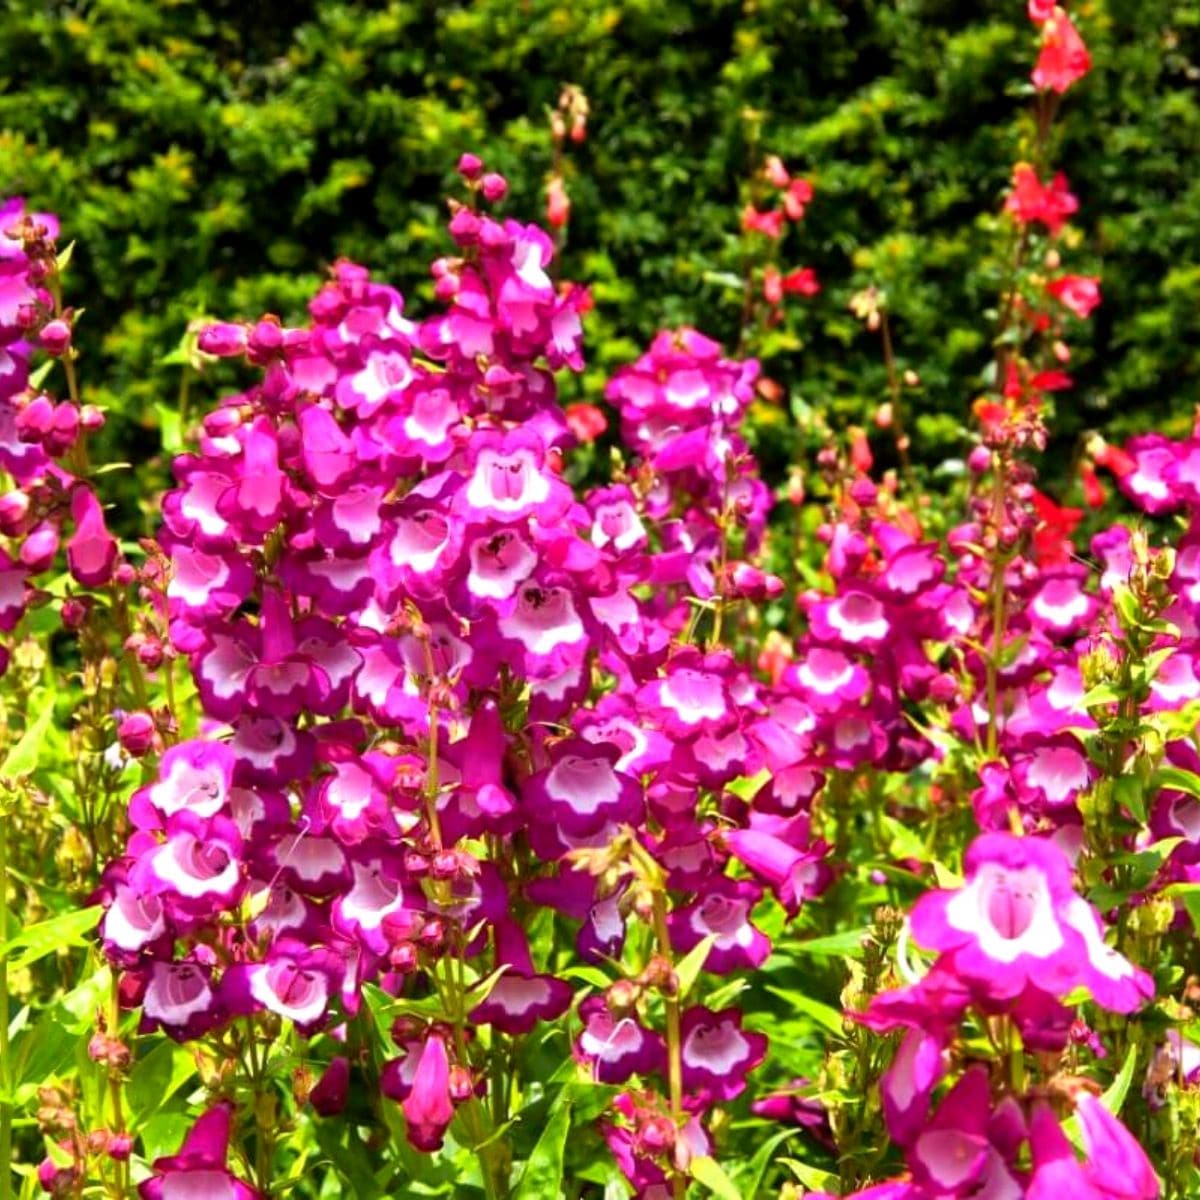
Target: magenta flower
[(199, 1169), (617, 1047), (722, 911), (1017, 922), (428, 1108), (717, 1053)]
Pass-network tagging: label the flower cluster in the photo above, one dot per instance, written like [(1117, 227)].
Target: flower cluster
[(51, 501), (394, 609), (1012, 943)]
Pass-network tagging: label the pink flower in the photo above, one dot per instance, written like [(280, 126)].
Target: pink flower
[(428, 1108), (1017, 922), (199, 1169), (1079, 293), (1064, 59), (1048, 204)]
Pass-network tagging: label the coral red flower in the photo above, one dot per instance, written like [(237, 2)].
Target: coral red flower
[(558, 203), (768, 223), (587, 422), (1052, 538), (1030, 200), (1064, 59), (798, 195), (772, 286), (801, 282), (1093, 489), (1079, 293)]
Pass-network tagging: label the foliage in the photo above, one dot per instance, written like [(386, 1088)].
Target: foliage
[(461, 774), (215, 156)]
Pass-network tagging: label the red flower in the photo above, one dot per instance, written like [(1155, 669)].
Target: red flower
[(586, 421), (769, 223), (1052, 545), (772, 286), (1031, 200), (801, 282), (1041, 10), (1064, 58), (1114, 458), (1079, 293), (558, 203), (1093, 489), (776, 172), (798, 195)]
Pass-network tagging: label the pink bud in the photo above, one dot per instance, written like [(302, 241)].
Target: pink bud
[(461, 1087), (91, 550), (36, 419), (428, 1108), (979, 460), (150, 653), (55, 337), (470, 166), (495, 187), (14, 510), (40, 547), (222, 339), (136, 734), (74, 612), (120, 1146), (328, 1098)]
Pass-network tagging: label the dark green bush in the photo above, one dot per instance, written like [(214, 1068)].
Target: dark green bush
[(213, 157)]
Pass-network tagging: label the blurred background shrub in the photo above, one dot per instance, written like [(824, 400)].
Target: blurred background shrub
[(213, 156)]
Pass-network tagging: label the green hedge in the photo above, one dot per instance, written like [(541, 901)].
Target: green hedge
[(213, 157)]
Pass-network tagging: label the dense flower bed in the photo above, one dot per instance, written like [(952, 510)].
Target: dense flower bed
[(442, 794)]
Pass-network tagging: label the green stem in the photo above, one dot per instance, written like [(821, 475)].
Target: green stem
[(674, 1038)]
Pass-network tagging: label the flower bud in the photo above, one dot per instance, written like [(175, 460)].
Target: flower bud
[(55, 337), (136, 734), (36, 419), (40, 547), (222, 339), (460, 1085), (495, 187), (329, 1096), (120, 1146), (150, 653), (979, 460), (74, 612), (91, 418), (14, 509), (470, 166)]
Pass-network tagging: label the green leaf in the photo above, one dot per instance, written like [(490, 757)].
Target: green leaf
[(72, 928), (712, 1175), (39, 375), (157, 1076), (543, 1172), (823, 1014), (764, 1156), (813, 1178), (847, 944), (22, 759), (1178, 780), (44, 1052), (692, 963), (351, 1161), (749, 785), (170, 428)]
